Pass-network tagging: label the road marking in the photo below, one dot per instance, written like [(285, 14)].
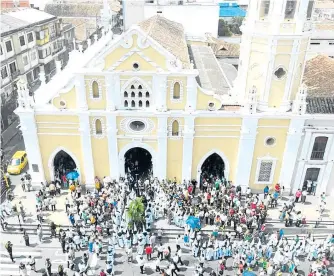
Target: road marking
[(59, 262), (60, 253), (18, 254)]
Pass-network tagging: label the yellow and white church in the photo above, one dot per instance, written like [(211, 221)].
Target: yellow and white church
[(156, 89)]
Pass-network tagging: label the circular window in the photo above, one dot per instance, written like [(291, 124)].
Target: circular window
[(211, 106), (62, 103), (137, 125), (270, 141), (135, 66)]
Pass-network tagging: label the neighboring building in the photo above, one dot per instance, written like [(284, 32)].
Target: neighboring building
[(32, 43), (160, 99), (228, 11), (197, 16), (9, 4), (86, 17), (323, 10), (322, 41)]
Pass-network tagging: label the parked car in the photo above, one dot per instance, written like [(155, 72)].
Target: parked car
[(18, 162)]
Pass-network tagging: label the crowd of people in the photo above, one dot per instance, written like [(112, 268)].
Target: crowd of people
[(101, 223)]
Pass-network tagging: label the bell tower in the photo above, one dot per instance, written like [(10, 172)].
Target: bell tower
[(275, 39)]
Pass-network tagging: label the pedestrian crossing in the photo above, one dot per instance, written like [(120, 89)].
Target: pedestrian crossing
[(8, 268)]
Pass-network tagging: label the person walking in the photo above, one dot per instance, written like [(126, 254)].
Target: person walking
[(9, 248), (26, 238), (40, 233), (298, 195), (23, 185), (48, 266), (32, 263), (53, 204), (157, 265), (179, 255), (304, 194), (22, 269), (148, 251), (141, 262)]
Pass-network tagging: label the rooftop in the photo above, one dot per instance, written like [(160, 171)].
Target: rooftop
[(319, 77), (83, 27), (222, 48), (211, 75), (31, 16), (10, 23), (77, 9), (169, 34)]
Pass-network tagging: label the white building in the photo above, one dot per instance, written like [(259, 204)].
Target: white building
[(197, 17), (322, 40)]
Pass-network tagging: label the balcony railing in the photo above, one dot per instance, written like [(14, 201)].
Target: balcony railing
[(317, 155)]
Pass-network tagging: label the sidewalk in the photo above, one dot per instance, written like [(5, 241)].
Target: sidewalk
[(310, 209), (28, 200)]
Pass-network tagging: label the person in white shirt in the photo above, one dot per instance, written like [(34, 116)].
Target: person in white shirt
[(304, 194)]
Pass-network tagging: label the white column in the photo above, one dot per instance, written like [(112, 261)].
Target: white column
[(292, 145), (110, 95), (80, 88), (86, 148), (246, 151), (301, 160), (188, 141), (162, 148), (113, 146), (328, 170), (159, 86), (191, 93), (32, 147), (286, 101)]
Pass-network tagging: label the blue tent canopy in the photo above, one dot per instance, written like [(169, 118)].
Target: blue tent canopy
[(231, 10)]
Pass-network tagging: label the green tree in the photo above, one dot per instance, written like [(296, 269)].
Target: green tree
[(223, 28), (136, 212), (236, 24)]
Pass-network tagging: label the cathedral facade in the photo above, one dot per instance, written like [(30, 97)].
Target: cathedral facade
[(156, 96)]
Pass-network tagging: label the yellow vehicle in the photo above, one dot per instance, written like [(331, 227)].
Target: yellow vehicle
[(18, 162)]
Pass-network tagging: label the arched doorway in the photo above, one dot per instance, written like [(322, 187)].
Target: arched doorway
[(63, 163), (138, 164)]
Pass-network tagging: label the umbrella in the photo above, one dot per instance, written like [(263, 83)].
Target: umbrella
[(248, 273), (193, 222), (72, 175)]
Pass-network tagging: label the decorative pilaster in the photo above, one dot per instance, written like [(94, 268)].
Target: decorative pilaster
[(29, 133), (246, 151), (302, 161), (300, 104), (188, 141), (159, 86), (80, 89), (110, 95), (86, 148), (191, 93), (292, 145), (113, 146), (162, 147), (327, 172)]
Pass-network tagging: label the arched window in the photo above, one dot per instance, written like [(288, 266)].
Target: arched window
[(133, 104), (147, 95), (133, 94), (175, 128), (98, 126), (132, 86), (140, 87), (140, 103), (95, 88), (147, 104), (140, 95), (176, 90), (126, 104), (126, 94)]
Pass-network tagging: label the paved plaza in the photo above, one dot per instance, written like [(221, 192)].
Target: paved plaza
[(50, 248)]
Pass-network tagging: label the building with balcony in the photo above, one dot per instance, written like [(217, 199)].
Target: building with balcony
[(31, 44)]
